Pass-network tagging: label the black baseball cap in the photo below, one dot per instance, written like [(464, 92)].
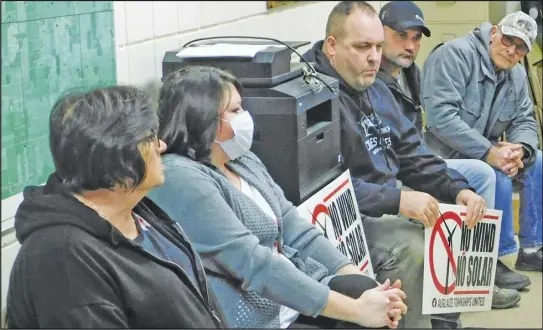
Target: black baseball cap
[(402, 15)]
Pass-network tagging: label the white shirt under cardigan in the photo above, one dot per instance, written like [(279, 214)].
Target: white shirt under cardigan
[(287, 315)]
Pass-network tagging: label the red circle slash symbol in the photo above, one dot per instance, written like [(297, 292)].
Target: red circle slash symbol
[(320, 208), (447, 243)]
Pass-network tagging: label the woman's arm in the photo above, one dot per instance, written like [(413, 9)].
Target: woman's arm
[(195, 200), (378, 307), (299, 233)]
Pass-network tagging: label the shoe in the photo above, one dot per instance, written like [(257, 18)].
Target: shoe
[(504, 298), (446, 321), (441, 324), (506, 278), (529, 261)]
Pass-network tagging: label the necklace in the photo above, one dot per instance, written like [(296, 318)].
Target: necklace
[(92, 206), (127, 232)]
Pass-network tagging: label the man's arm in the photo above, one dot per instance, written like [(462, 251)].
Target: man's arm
[(523, 127), (443, 85), (375, 200), (453, 174), (421, 169)]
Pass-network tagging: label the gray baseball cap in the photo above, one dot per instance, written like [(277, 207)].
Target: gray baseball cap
[(521, 25)]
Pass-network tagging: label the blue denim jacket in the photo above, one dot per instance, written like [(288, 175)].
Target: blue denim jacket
[(469, 105)]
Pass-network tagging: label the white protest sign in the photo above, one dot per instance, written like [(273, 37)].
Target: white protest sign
[(460, 264), (333, 210)]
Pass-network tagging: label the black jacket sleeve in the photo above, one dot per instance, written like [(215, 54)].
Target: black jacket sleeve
[(375, 200), (64, 285), (422, 170), (90, 316)]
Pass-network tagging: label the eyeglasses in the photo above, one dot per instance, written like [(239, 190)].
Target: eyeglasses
[(509, 41)]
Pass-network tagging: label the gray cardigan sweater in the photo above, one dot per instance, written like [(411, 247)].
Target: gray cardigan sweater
[(235, 238)]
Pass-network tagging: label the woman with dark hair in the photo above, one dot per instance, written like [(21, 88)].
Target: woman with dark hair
[(268, 267), (95, 252)]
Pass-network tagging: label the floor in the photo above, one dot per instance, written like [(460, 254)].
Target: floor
[(527, 314)]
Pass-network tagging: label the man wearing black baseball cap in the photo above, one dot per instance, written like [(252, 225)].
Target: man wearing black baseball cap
[(403, 15), (403, 23)]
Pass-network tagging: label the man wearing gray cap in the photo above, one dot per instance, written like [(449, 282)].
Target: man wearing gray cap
[(475, 92)]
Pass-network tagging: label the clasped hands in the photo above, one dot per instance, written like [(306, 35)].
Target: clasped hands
[(383, 305), (507, 157)]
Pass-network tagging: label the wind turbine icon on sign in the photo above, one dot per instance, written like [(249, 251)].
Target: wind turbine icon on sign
[(450, 242), (314, 218)]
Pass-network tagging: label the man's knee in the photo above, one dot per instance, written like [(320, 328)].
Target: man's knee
[(481, 172), (394, 243), (484, 171), (410, 254), (405, 258)]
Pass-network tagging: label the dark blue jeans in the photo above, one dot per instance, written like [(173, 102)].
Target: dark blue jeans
[(530, 220)]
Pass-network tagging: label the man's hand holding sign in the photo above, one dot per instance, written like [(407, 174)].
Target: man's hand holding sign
[(460, 261), (425, 208), (461, 247), (475, 204)]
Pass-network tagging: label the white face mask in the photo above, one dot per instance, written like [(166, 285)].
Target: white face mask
[(240, 144)]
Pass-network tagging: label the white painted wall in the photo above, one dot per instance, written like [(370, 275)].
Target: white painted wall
[(512, 6), (144, 31)]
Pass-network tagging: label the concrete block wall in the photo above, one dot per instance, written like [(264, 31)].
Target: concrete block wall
[(144, 31)]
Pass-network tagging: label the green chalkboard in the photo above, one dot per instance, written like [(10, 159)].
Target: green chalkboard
[(47, 48)]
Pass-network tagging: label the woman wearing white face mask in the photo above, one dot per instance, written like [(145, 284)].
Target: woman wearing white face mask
[(266, 265)]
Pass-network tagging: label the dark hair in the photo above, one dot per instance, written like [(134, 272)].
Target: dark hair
[(95, 137), (189, 104), (336, 19)]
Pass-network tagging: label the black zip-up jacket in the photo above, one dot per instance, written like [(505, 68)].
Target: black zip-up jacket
[(412, 106), (75, 270), (379, 146)]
